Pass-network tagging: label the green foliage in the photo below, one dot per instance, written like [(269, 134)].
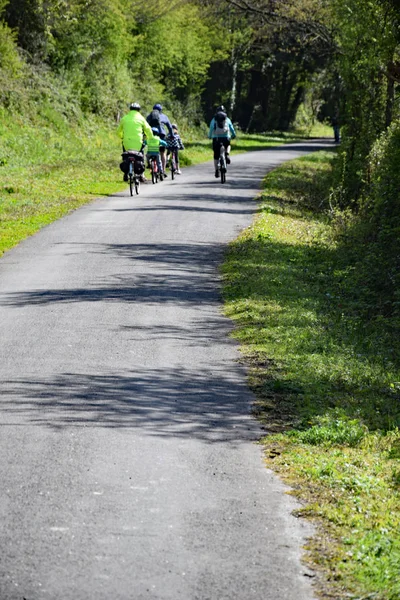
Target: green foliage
[(376, 226), (379, 226), (368, 38), (333, 428), (91, 44), (10, 62), (177, 50), (104, 53)]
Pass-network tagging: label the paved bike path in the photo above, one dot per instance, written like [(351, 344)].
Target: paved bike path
[(129, 469)]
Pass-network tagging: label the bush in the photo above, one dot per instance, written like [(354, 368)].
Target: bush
[(380, 212)]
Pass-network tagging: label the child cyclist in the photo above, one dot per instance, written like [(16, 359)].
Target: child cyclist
[(174, 145), (153, 149)]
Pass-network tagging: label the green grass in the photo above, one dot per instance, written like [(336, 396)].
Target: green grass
[(47, 170), (326, 379)]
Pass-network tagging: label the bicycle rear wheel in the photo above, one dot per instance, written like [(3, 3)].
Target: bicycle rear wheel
[(153, 174), (137, 184), (131, 184)]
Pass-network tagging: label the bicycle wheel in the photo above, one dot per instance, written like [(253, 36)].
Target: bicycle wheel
[(131, 183), (153, 173), (223, 175), (137, 184)]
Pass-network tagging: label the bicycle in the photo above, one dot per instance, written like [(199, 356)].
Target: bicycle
[(222, 162), (135, 169), (153, 165)]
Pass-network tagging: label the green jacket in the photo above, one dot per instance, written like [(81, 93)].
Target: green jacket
[(153, 145), (131, 129)]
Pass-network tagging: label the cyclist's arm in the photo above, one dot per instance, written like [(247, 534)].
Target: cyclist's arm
[(163, 143), (210, 131), (232, 129), (167, 122)]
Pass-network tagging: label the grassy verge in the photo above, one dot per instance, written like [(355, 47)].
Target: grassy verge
[(327, 380), (50, 167)]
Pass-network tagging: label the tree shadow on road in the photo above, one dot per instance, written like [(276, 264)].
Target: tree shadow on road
[(209, 405), (182, 273)]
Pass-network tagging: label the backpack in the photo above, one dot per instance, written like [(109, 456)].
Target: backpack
[(154, 119), (220, 124)]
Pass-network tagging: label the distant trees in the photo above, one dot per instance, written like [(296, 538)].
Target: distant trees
[(276, 50)]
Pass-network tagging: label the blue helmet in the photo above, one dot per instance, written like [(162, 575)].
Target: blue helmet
[(155, 130), (157, 107)]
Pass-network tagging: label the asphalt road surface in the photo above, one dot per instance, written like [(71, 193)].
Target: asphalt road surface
[(129, 468)]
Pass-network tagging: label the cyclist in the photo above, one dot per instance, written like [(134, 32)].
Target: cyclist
[(132, 128), (174, 145), (160, 120), (221, 130), (154, 146)]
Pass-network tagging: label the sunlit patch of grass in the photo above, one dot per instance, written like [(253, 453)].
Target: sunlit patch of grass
[(326, 381)]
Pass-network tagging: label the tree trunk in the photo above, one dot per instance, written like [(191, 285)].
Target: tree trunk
[(234, 83)]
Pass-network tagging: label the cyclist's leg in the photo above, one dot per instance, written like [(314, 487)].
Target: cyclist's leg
[(227, 145), (163, 155), (178, 171), (159, 163)]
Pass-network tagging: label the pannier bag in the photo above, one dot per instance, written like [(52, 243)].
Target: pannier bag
[(138, 162), (124, 166)]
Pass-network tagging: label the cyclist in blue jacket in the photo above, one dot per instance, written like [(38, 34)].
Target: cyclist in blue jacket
[(221, 130)]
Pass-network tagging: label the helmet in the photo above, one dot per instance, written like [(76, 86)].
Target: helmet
[(221, 108), (157, 107), (134, 106), (174, 126), (155, 130)]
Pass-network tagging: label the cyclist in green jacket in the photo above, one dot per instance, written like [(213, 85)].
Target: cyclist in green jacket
[(132, 127)]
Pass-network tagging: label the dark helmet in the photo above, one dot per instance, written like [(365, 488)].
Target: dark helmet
[(134, 106), (221, 108), (157, 107)]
